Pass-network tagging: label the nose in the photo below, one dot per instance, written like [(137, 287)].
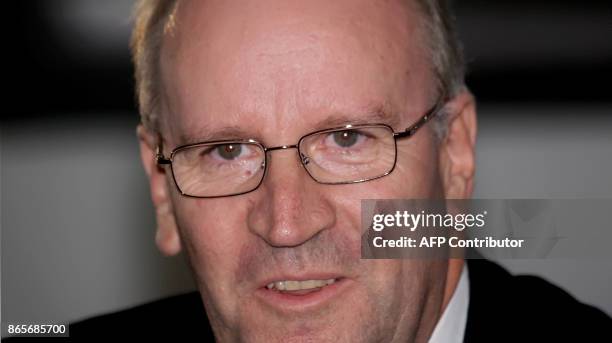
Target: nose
[(291, 208)]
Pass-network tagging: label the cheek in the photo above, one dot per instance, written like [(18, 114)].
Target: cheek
[(415, 176), (213, 233), (416, 170)]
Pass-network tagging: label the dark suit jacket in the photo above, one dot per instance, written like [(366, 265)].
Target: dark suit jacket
[(502, 308), (510, 308)]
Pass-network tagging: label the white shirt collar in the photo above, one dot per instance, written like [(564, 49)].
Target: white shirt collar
[(451, 326)]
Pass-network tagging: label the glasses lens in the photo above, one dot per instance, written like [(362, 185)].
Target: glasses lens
[(209, 170), (349, 155)]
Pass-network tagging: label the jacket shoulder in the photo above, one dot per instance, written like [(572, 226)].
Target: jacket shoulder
[(504, 307), (177, 316)]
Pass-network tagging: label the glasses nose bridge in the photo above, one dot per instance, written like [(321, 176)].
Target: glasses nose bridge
[(303, 158), (282, 147)]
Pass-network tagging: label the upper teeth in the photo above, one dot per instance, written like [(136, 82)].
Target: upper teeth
[(291, 285)]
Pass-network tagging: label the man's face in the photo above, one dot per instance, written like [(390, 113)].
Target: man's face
[(274, 71)]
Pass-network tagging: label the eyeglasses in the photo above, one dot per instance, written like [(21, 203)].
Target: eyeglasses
[(340, 155)]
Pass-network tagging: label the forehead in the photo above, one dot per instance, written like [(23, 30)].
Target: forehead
[(288, 65)]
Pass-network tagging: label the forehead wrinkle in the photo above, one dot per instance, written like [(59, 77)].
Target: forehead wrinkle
[(372, 113)]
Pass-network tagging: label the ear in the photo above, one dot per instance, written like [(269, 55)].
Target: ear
[(166, 237), (457, 149)]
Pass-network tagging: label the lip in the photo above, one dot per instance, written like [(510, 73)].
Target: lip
[(287, 302)]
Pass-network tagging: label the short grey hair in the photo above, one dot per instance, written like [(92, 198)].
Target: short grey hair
[(446, 54), (154, 17)]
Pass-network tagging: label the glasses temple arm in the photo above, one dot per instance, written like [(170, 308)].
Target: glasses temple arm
[(159, 155), (422, 121)]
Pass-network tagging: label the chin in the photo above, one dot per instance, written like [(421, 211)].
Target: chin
[(299, 332)]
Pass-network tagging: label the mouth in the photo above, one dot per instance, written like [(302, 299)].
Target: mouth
[(299, 287), (293, 294)]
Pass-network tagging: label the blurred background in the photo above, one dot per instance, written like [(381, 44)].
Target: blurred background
[(77, 223)]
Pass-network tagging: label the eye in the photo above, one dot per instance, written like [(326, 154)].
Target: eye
[(346, 138), (229, 151)]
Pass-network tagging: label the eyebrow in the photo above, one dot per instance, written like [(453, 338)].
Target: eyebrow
[(373, 114), (370, 114), (207, 134)]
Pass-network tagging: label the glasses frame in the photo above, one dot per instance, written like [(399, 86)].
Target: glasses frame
[(161, 160)]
